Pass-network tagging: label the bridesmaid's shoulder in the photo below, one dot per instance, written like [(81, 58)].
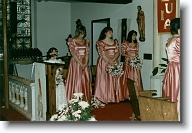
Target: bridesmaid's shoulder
[(100, 42), (115, 40), (125, 43), (71, 40), (137, 43), (177, 38), (87, 40)]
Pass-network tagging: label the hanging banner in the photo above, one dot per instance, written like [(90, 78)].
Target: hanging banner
[(166, 12)]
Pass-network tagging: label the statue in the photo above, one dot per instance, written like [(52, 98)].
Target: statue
[(141, 23)]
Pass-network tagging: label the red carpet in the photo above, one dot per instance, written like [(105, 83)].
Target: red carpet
[(111, 112), (114, 112), (11, 115)]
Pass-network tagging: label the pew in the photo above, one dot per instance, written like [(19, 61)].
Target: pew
[(134, 93), (157, 109)]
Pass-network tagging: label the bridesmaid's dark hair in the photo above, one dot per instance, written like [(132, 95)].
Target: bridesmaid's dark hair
[(102, 34), (129, 37), (175, 26), (50, 51), (80, 29)]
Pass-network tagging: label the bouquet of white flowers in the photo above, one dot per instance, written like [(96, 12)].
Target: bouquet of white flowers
[(135, 62), (115, 70), (78, 109)]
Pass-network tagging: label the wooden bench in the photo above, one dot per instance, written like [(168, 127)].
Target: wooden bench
[(157, 109), (133, 93)]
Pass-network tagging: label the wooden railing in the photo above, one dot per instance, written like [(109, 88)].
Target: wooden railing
[(22, 96)]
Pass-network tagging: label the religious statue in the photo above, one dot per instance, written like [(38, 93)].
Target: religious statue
[(141, 23)]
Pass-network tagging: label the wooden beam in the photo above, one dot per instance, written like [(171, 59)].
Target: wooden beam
[(5, 53), (93, 1)]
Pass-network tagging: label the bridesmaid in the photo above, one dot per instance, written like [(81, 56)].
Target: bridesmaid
[(130, 49), (78, 75), (171, 81), (106, 89)]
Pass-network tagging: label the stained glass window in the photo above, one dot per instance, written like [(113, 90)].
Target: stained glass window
[(23, 35), (18, 24)]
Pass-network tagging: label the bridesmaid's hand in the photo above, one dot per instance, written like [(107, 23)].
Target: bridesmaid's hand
[(84, 66), (114, 60), (111, 62)]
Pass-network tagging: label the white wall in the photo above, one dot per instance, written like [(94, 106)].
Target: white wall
[(94, 11), (51, 24)]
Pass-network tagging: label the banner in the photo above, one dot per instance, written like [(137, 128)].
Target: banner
[(166, 12)]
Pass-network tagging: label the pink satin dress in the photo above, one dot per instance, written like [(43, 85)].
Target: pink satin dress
[(107, 87), (171, 81), (77, 79), (129, 71)]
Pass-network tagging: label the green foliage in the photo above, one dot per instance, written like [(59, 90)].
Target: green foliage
[(155, 71), (162, 67)]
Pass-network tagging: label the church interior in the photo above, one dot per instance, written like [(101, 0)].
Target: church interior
[(28, 28)]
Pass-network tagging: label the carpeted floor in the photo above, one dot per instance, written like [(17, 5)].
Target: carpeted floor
[(2, 118), (11, 115), (111, 112), (114, 112)]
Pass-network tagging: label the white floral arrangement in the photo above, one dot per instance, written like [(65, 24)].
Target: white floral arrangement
[(115, 70), (96, 103), (135, 62), (78, 109)]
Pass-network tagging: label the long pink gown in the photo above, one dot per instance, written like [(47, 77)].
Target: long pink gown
[(129, 71), (107, 87), (77, 79), (171, 81)]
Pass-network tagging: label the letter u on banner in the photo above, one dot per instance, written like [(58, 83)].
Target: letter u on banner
[(166, 12)]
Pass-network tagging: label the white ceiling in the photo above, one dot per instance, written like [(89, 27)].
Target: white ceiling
[(92, 1)]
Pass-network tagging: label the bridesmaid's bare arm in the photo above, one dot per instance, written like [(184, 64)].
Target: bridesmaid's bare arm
[(115, 56), (86, 62), (77, 59)]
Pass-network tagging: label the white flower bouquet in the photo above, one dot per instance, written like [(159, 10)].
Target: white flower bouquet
[(135, 62), (115, 70), (96, 103), (78, 109)]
